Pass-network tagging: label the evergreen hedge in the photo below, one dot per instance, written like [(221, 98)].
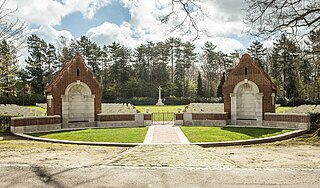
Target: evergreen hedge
[(28, 100)]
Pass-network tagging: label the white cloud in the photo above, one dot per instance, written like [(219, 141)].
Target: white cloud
[(87, 7), (107, 33), (224, 19), (220, 18), (36, 12), (51, 35), (144, 26), (224, 44), (50, 12), (268, 43)]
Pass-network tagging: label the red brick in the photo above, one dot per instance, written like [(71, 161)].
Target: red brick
[(67, 75)]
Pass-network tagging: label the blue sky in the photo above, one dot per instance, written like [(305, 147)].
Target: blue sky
[(78, 25), (132, 22)]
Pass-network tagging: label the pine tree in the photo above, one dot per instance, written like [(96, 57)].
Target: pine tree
[(120, 69), (220, 86), (258, 54), (8, 68), (52, 62), (36, 63), (285, 61), (199, 86)]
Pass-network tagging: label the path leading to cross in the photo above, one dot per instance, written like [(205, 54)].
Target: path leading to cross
[(165, 134)]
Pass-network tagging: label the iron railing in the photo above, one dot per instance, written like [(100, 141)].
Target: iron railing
[(163, 118)]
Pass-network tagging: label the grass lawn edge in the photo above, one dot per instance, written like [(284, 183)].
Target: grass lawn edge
[(96, 135), (207, 134)]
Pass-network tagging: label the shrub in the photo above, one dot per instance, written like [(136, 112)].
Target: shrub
[(143, 101), (5, 123), (282, 101), (299, 101), (172, 100), (137, 101), (294, 101), (20, 100), (314, 120)]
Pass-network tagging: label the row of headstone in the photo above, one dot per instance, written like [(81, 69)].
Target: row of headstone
[(110, 108), (303, 109), (42, 105), (16, 110), (205, 107)]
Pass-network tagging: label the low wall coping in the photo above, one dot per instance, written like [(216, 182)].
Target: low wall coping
[(210, 113), (106, 114), (285, 114), (35, 117)]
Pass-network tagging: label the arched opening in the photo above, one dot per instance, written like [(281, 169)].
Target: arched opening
[(246, 105), (246, 102), (77, 103)]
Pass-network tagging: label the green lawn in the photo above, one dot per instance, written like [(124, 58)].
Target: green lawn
[(218, 134), (165, 108), (124, 135), (281, 109)]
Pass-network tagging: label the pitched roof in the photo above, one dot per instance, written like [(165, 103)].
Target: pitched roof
[(255, 64), (57, 77)]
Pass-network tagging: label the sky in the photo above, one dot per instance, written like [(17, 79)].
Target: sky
[(132, 22)]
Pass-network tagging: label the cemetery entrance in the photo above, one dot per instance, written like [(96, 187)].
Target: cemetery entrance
[(163, 118)]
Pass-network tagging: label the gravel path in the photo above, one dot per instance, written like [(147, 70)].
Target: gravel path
[(292, 163)]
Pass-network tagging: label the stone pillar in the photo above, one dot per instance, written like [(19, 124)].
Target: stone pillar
[(233, 108), (187, 118), (139, 119), (259, 114)]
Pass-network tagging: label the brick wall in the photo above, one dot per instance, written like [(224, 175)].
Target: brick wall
[(148, 117), (303, 118), (209, 116), (116, 117), (26, 121), (179, 116)]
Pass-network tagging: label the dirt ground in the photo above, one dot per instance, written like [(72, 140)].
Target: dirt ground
[(297, 153)]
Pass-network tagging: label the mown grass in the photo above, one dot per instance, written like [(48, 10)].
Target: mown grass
[(218, 134), (165, 108), (281, 109), (123, 135)]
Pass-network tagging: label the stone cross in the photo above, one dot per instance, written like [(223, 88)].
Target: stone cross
[(159, 100), (159, 92)]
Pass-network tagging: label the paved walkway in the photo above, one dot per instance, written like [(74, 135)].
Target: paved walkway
[(165, 134)]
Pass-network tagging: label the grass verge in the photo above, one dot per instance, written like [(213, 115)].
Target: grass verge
[(219, 134), (123, 135), (282, 109)]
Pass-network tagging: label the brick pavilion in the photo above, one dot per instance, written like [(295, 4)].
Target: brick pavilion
[(248, 93), (74, 93)]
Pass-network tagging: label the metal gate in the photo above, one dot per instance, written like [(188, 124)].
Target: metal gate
[(163, 118)]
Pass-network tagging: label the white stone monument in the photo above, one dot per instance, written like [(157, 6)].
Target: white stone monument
[(159, 103)]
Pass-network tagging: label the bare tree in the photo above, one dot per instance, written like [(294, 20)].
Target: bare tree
[(10, 29), (189, 10), (269, 17)]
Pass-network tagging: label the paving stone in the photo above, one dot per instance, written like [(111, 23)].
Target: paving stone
[(170, 156)]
